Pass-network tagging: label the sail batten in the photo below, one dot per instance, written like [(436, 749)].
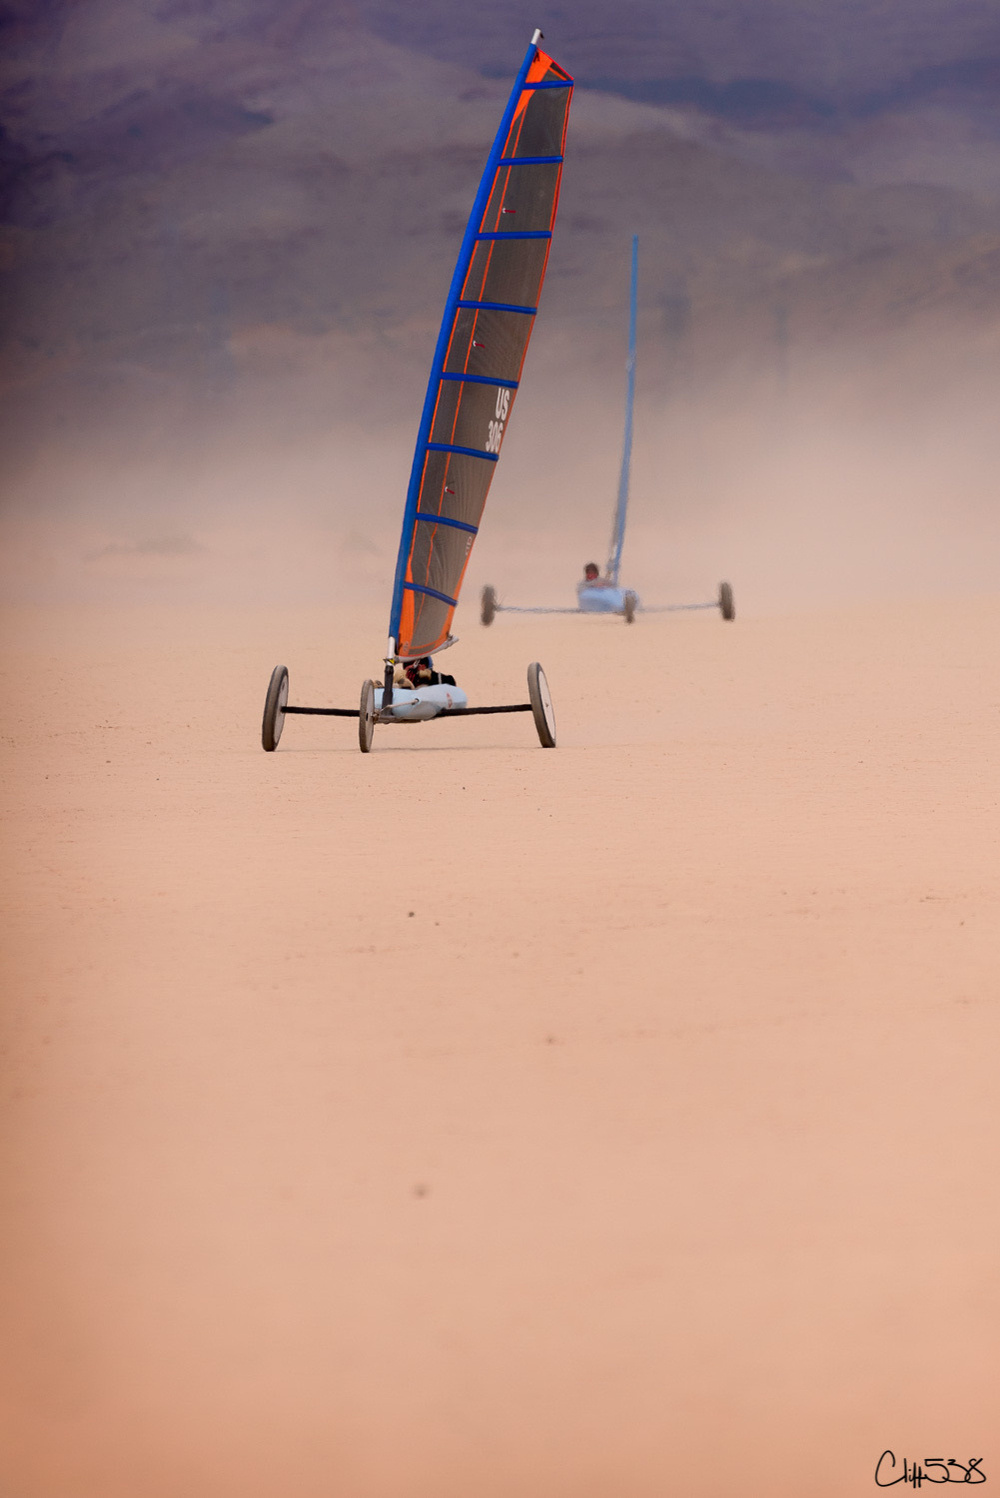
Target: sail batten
[(500, 307), (459, 525), (476, 370), (430, 593), (468, 379), (472, 452)]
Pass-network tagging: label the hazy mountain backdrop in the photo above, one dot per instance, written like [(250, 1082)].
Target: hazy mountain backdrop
[(228, 228)]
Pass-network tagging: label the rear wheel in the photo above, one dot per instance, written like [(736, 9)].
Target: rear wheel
[(274, 708), (630, 604), (366, 717), (489, 602), (727, 607), (541, 706)]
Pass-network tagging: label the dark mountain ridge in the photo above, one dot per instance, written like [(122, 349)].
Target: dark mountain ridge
[(213, 205)]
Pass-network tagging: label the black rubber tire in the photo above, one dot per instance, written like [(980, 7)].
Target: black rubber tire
[(727, 607), (366, 717), (541, 706), (489, 604), (630, 605), (274, 708)]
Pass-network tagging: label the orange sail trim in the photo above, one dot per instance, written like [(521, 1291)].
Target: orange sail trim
[(480, 353)]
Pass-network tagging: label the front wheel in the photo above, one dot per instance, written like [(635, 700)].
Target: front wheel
[(727, 607), (366, 717), (541, 706), (274, 708), (630, 606), (489, 605)]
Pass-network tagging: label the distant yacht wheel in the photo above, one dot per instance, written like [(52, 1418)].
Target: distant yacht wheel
[(727, 607), (274, 708), (630, 606), (489, 602)]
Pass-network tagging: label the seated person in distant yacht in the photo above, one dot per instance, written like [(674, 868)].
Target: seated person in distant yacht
[(421, 673), (600, 595), (592, 578)]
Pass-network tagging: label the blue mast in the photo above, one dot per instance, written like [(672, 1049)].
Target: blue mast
[(621, 509)]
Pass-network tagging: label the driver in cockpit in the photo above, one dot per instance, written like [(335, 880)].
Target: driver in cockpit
[(592, 578), (421, 673)]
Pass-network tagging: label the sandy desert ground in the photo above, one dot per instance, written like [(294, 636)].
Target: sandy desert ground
[(470, 1118)]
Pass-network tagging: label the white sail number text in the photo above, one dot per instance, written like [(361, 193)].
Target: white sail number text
[(495, 432)]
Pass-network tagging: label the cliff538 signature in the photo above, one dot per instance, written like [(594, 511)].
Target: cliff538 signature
[(931, 1469)]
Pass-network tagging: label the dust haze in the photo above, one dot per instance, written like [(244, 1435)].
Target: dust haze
[(862, 476)]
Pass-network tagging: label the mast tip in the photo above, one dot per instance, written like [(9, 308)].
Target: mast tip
[(539, 36)]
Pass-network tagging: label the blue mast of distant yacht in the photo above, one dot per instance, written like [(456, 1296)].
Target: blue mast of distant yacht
[(621, 509)]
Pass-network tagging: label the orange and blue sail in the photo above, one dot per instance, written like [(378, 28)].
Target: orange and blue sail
[(488, 319)]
